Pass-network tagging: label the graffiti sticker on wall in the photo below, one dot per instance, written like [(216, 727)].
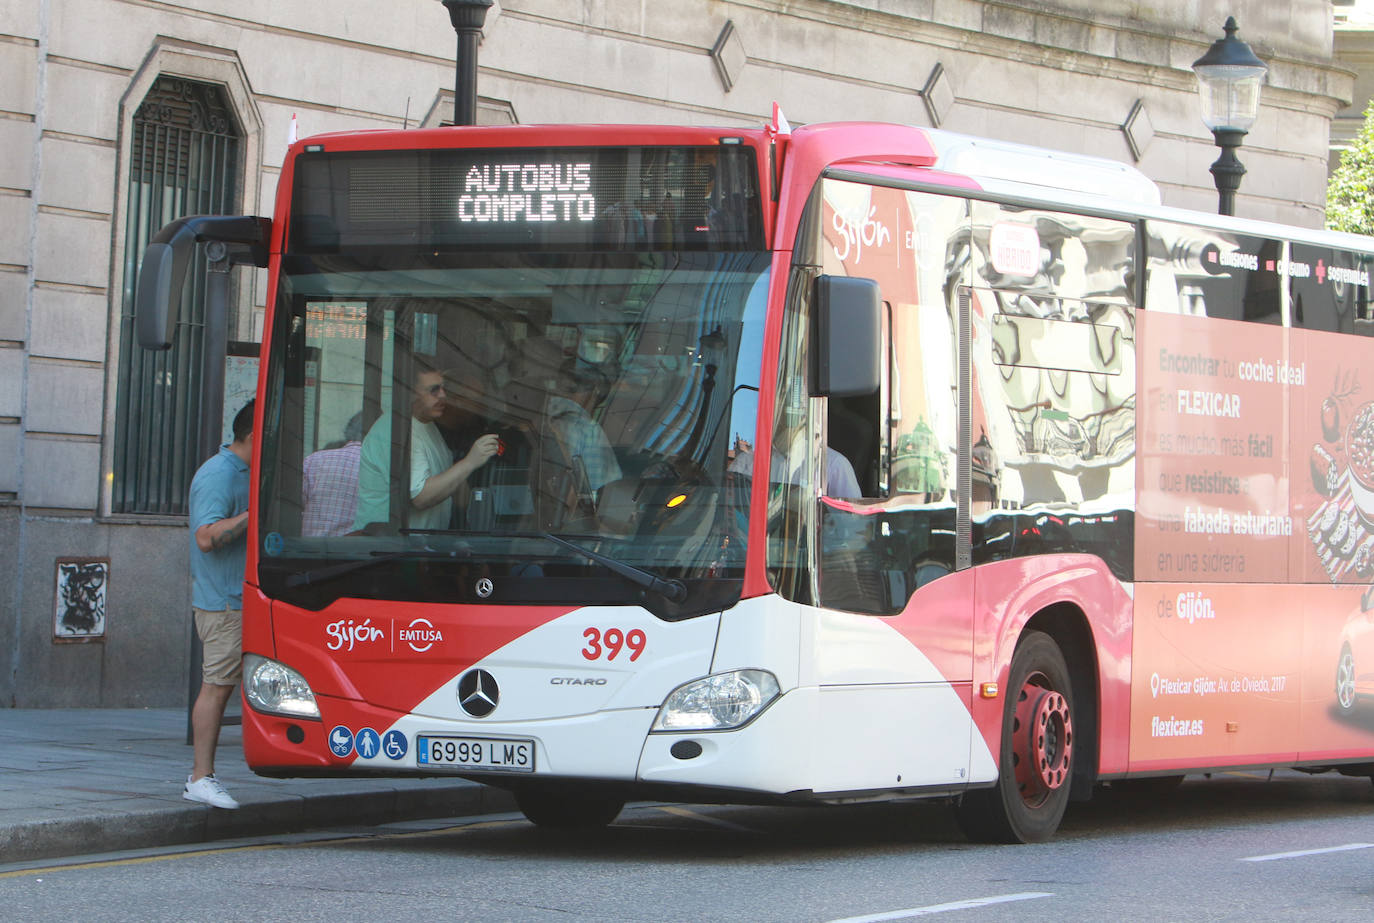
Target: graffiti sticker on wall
[(80, 599)]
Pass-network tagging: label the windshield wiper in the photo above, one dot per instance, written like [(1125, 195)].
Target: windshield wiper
[(330, 571), (673, 590)]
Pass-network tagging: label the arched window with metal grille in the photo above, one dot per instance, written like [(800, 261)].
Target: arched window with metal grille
[(185, 159)]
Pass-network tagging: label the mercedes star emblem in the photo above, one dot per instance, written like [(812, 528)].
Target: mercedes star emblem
[(484, 587), (478, 693)]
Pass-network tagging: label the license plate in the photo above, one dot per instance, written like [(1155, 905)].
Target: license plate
[(475, 753)]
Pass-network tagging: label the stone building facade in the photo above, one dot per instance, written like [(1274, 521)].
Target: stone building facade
[(82, 81)]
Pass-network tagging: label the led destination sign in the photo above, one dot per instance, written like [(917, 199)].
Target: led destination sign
[(698, 197), (504, 192)]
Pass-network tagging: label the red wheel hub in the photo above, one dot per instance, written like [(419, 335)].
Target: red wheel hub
[(1042, 741)]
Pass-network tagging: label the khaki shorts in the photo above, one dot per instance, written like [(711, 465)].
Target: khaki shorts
[(221, 639)]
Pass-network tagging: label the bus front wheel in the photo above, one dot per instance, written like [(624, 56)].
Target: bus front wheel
[(567, 809), (1037, 744)]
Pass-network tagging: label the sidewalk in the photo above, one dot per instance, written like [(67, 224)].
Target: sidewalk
[(81, 781)]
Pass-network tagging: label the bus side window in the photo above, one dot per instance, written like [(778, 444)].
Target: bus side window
[(874, 563), (852, 431)]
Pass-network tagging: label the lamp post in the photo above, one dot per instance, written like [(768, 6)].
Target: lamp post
[(467, 17), (1228, 79)]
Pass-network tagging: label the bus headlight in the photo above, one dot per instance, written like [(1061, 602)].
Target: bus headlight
[(717, 703), (277, 689)]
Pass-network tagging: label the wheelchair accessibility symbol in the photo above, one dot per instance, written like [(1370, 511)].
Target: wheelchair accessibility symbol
[(394, 745)]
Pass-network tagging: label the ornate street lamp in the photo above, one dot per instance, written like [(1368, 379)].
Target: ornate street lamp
[(1228, 79), (467, 17)]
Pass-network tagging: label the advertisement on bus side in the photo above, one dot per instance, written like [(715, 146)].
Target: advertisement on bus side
[(1256, 514)]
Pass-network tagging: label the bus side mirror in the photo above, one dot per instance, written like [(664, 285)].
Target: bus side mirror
[(846, 343), (159, 293), (163, 273)]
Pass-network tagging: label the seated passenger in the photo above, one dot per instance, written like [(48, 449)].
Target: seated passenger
[(582, 439), (839, 473), (329, 484)]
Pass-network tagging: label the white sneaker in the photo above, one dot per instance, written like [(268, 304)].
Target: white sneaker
[(207, 790)]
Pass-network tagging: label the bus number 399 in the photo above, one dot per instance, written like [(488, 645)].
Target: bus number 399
[(611, 642)]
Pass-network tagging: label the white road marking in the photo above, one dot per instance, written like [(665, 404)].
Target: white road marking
[(1307, 852), (942, 908)]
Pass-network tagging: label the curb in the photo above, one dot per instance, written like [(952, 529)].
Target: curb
[(149, 827)]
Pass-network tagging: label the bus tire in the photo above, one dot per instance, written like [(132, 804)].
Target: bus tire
[(1036, 764), (567, 809)]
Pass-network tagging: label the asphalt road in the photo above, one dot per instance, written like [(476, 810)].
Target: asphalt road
[(1235, 847)]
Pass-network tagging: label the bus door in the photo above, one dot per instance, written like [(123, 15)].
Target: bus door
[(892, 644)]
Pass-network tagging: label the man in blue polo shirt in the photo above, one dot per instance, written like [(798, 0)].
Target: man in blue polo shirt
[(219, 550)]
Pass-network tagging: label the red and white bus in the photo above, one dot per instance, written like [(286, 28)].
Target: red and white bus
[(1063, 486)]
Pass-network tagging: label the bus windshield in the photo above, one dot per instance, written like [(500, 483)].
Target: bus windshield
[(508, 427)]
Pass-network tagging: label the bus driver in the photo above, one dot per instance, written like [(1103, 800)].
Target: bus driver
[(434, 476)]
